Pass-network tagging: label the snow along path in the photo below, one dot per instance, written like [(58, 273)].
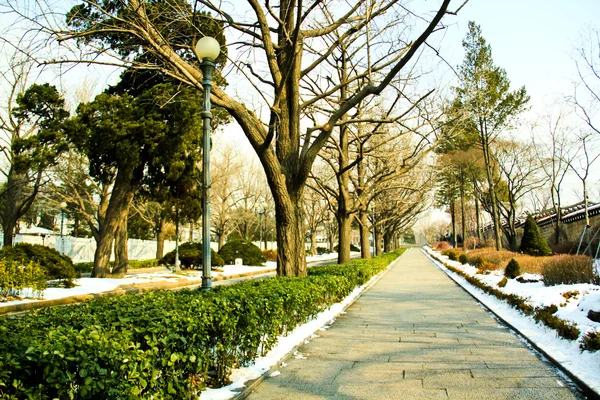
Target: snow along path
[(584, 365)]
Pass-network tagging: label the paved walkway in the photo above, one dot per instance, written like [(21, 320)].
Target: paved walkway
[(415, 335)]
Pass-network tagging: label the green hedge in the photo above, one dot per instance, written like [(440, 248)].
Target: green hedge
[(55, 265), (83, 267), (166, 344)]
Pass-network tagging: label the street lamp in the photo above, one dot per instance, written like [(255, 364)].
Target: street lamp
[(260, 223), (207, 50), (63, 205)]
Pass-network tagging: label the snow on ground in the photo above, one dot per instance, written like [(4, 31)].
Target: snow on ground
[(585, 365)]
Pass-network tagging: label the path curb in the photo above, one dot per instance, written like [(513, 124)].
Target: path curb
[(253, 383), (585, 389)]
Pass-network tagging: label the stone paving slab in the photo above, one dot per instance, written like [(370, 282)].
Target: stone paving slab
[(416, 335)]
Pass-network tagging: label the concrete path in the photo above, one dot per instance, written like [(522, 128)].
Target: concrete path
[(415, 335)]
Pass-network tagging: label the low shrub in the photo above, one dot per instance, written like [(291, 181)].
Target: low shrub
[(590, 341), (16, 278), (190, 256), (471, 243), (439, 246), (452, 254), (322, 250), (488, 244), (484, 266), (248, 252), (566, 269), (492, 256), (55, 265), (164, 344), (570, 294), (503, 282), (563, 328), (530, 264), (463, 259), (271, 254), (512, 270), (84, 267), (352, 248), (138, 264)]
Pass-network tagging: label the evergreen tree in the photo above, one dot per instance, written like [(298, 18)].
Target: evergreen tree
[(485, 105), (533, 242)]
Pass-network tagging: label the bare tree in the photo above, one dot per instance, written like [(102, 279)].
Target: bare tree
[(585, 156), (277, 37), (224, 190), (519, 170), (586, 97), (552, 148)]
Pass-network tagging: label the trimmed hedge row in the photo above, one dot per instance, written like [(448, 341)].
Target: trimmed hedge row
[(131, 264), (544, 315), (166, 344)]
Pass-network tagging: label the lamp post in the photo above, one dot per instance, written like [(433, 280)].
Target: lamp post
[(260, 223), (177, 267), (63, 205), (207, 50)]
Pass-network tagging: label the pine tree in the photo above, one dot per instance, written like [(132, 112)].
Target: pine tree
[(533, 242), (485, 106)]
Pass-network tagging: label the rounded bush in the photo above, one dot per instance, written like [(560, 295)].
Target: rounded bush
[(513, 269), (190, 256), (248, 252), (55, 265), (463, 259), (352, 248), (479, 262)]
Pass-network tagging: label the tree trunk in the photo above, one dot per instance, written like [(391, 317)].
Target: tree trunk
[(377, 242), (119, 201), (344, 232), (191, 232), (477, 220), (453, 219), (121, 250), (492, 193), (387, 241), (313, 242), (221, 241), (365, 244), (160, 240), (330, 236), (121, 245), (291, 252), (462, 217), (10, 214)]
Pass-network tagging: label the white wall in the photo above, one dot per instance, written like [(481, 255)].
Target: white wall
[(82, 249)]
